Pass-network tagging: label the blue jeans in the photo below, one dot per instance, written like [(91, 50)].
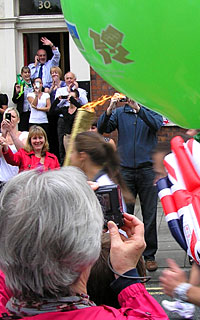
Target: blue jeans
[(140, 182)]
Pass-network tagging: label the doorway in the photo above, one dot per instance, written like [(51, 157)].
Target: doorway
[(32, 43)]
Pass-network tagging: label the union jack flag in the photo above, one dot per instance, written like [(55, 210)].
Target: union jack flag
[(179, 193)]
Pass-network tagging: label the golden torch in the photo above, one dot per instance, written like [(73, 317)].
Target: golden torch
[(82, 122)]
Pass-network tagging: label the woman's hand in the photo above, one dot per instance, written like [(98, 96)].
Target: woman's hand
[(17, 88), (6, 126), (48, 90), (33, 106), (124, 254), (3, 143)]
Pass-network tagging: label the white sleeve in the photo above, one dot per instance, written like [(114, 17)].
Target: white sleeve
[(83, 96), (56, 57), (34, 70), (23, 135), (58, 93)]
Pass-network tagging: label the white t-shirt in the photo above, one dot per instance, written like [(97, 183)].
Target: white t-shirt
[(6, 170), (38, 116)]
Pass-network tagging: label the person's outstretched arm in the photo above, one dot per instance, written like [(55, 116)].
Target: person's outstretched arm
[(174, 282)]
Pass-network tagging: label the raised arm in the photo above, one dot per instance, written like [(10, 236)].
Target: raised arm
[(56, 54), (12, 158), (151, 118), (175, 283), (6, 127), (108, 120), (83, 96)]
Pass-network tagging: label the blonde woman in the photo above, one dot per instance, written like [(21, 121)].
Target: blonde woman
[(34, 154)]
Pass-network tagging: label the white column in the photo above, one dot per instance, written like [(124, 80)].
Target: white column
[(8, 48), (78, 64)]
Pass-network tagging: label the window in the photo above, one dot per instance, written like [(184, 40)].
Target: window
[(30, 7)]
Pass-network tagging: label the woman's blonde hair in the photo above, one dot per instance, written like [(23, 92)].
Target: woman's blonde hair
[(36, 131)]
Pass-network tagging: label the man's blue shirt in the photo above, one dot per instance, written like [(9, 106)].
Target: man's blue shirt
[(136, 133)]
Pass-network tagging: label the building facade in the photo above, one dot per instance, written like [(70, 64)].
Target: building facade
[(22, 24)]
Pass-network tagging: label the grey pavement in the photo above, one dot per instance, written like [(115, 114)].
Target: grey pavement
[(167, 246)]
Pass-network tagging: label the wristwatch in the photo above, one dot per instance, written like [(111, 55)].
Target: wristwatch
[(180, 292)]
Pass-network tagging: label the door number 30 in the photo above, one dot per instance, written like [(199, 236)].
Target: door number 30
[(44, 4)]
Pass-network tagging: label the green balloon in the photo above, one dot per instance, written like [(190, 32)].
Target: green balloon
[(146, 49)]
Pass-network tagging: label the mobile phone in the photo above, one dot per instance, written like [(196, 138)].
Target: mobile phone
[(110, 199), (8, 116), (64, 97)]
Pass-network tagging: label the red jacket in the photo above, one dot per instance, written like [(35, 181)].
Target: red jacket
[(27, 160), (136, 304)]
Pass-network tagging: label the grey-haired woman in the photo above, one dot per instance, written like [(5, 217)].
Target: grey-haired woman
[(50, 236)]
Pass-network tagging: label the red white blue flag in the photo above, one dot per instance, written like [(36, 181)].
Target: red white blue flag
[(180, 194)]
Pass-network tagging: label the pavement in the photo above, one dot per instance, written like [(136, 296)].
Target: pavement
[(167, 246)]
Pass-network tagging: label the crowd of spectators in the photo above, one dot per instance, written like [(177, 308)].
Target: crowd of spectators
[(42, 121)]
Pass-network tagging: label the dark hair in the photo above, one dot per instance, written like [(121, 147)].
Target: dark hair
[(98, 285), (76, 92), (103, 154), (34, 80), (25, 68)]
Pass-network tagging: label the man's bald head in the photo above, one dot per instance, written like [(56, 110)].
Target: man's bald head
[(70, 78)]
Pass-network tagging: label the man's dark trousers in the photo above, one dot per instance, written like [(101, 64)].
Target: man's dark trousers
[(141, 182)]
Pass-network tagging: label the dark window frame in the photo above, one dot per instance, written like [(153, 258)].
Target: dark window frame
[(39, 7)]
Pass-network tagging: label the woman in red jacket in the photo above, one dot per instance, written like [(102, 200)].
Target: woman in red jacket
[(35, 153)]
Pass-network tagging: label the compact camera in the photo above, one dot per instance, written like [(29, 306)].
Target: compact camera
[(64, 97), (124, 99), (110, 199)]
